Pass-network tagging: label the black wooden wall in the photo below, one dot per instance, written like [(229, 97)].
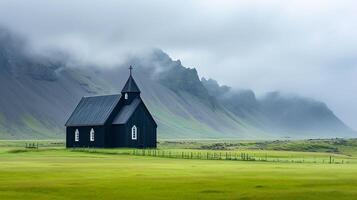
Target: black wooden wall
[(84, 136)]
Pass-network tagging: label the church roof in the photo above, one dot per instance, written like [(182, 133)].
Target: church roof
[(126, 112), (93, 110), (130, 86)]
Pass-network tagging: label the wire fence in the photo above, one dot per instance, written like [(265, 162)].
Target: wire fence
[(235, 156), (211, 155)]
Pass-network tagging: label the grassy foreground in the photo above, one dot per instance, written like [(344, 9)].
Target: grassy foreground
[(56, 173)]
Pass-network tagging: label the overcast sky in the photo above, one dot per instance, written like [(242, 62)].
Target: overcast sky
[(303, 47)]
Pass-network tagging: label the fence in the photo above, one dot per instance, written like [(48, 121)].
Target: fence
[(31, 145), (235, 156)]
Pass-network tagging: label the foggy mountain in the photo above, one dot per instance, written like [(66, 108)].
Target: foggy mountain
[(38, 93)]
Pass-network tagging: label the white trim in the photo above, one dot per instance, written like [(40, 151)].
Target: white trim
[(76, 135), (134, 133), (91, 135)]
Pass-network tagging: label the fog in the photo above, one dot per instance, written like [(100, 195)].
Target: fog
[(303, 47)]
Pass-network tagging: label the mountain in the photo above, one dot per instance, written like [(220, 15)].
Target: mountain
[(38, 93), (281, 113)]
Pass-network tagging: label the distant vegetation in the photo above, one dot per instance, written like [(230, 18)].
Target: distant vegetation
[(337, 146), (339, 151), (341, 146)]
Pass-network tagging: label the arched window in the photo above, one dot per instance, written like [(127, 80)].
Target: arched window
[(91, 135), (126, 96), (76, 135), (134, 133)]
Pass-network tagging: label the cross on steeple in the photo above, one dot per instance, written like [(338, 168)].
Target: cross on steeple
[(130, 68)]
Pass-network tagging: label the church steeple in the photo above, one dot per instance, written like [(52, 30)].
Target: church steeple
[(130, 85), (130, 90)]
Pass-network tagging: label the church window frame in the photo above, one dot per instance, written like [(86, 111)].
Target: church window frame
[(126, 96), (134, 133), (76, 135), (92, 135)]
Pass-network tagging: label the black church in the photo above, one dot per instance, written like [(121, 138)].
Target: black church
[(112, 121)]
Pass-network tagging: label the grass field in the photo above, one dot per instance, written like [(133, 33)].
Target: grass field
[(52, 172)]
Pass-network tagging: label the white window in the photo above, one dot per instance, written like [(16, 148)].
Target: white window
[(134, 133), (126, 96), (91, 135), (76, 135)]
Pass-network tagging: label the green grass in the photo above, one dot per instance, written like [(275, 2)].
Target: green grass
[(338, 146), (52, 172)]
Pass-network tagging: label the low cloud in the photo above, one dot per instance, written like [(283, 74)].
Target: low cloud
[(303, 47)]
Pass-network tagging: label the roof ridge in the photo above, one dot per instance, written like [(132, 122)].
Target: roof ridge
[(105, 95)]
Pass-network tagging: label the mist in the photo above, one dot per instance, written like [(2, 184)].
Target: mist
[(301, 47)]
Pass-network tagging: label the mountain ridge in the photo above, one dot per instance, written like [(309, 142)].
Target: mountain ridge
[(41, 92)]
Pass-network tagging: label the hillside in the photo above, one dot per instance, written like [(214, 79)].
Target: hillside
[(38, 94)]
